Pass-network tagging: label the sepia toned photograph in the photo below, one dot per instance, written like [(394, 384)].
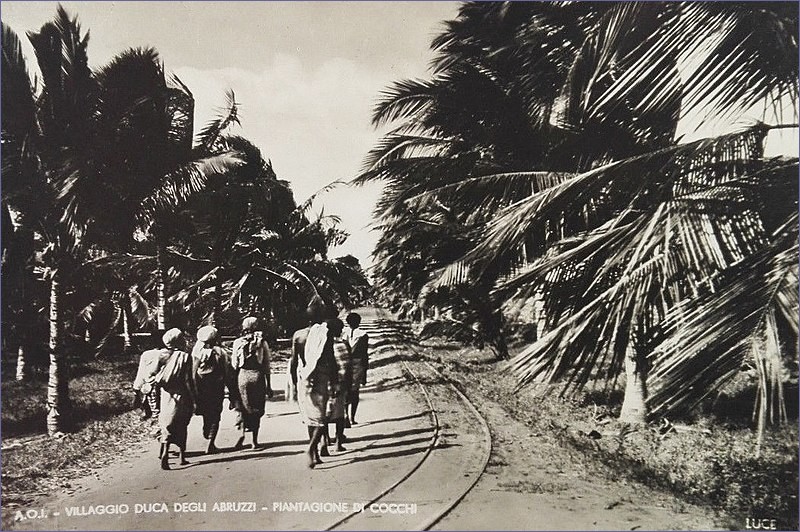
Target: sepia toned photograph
[(399, 265)]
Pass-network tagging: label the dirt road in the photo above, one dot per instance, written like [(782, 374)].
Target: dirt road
[(421, 457)]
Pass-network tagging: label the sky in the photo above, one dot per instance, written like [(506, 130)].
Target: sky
[(307, 75)]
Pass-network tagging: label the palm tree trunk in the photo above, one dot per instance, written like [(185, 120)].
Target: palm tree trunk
[(23, 329), (217, 299), (491, 320), (634, 403), (21, 369), (126, 324), (57, 383), (161, 291)]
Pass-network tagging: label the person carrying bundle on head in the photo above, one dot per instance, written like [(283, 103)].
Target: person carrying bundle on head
[(209, 363), (250, 361)]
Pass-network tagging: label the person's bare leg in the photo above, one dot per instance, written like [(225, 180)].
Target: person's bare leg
[(212, 436), (212, 447), (326, 440), (255, 438), (240, 441), (165, 456), (353, 408), (182, 454), (311, 453), (340, 423)]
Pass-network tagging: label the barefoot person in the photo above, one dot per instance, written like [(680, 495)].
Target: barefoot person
[(144, 384), (340, 385), (316, 369), (209, 363), (315, 311), (358, 341), (250, 359), (177, 396)]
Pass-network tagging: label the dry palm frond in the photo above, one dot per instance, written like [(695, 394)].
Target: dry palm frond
[(706, 340)]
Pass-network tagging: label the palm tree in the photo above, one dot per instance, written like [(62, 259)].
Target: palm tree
[(18, 246), (210, 240), (93, 158), (47, 140), (606, 86), (477, 122), (154, 169), (248, 248), (667, 199)]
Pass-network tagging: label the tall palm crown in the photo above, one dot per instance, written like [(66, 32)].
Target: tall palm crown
[(88, 158), (563, 166)]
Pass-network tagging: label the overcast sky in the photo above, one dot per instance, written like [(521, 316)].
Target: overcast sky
[(307, 75)]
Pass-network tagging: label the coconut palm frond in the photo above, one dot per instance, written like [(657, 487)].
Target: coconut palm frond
[(686, 166), (180, 108), (226, 117), (403, 99), (296, 273), (706, 340), (141, 310), (490, 192), (344, 283), (581, 249), (18, 106), (732, 75), (186, 180), (721, 72), (67, 82), (303, 208), (88, 312), (402, 146)]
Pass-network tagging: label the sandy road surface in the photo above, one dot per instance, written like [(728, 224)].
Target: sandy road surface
[(423, 456), (401, 461)]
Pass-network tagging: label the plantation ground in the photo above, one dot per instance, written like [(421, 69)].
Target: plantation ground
[(709, 462), (554, 464)]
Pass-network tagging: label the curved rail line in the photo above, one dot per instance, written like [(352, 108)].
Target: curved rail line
[(486, 442), (487, 451)]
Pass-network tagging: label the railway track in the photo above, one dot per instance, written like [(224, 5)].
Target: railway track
[(458, 450)]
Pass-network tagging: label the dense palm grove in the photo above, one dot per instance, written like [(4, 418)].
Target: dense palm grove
[(117, 220), (537, 176)]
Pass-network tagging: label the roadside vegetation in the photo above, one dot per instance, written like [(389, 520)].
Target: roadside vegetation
[(707, 460), (543, 200)]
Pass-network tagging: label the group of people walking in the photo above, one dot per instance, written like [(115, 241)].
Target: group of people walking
[(175, 385), (327, 368)]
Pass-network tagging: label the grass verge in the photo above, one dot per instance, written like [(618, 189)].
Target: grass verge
[(705, 462)]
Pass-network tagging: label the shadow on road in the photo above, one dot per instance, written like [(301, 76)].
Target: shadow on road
[(244, 455), (394, 454), (390, 419), (398, 434)]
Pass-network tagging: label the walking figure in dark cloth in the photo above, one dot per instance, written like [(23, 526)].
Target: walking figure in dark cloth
[(209, 364), (177, 396), (250, 360), (340, 386)]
